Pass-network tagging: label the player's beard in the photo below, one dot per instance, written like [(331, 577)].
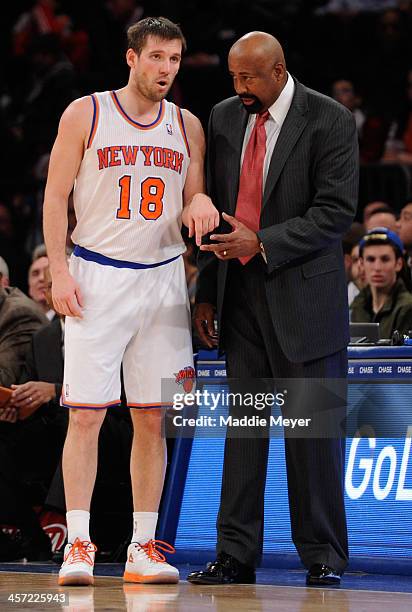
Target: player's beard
[(150, 92)]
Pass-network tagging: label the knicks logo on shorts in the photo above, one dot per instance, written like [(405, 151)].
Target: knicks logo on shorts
[(186, 378)]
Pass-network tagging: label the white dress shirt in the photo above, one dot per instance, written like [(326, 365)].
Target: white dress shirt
[(277, 115)]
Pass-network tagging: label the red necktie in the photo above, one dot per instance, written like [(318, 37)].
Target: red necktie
[(249, 198)]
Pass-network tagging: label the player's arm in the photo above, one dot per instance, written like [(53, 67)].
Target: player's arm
[(199, 214), (65, 159)]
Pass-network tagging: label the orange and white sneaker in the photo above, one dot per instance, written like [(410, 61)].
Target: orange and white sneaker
[(146, 564), (77, 567)]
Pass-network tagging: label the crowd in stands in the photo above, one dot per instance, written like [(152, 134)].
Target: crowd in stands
[(358, 52), (379, 268)]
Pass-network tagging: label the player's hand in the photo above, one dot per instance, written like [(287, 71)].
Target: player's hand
[(66, 295), (32, 394), (203, 319), (202, 217), (241, 242)]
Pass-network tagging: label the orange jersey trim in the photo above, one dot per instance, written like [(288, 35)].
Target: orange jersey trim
[(95, 121), (182, 128), (136, 124), (83, 405), (150, 405)]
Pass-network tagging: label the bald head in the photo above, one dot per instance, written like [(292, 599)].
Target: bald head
[(258, 68), (259, 45)]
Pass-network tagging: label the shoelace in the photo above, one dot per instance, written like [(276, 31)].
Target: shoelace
[(80, 552), (153, 548)]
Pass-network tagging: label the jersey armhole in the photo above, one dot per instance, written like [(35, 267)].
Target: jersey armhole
[(95, 120), (182, 128)]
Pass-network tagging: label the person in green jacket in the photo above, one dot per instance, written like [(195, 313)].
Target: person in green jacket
[(386, 299)]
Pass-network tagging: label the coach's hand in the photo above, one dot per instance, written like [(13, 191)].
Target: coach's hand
[(32, 394), (203, 319), (66, 295), (241, 242), (200, 216)]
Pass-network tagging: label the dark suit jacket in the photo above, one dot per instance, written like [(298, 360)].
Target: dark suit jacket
[(20, 317), (44, 360), (309, 202)]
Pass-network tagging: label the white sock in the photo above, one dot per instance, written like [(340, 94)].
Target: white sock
[(78, 525), (144, 526)]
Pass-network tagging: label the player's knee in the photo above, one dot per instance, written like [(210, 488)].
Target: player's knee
[(148, 422), (86, 420)]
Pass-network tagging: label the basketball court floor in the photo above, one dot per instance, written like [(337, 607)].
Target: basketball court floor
[(279, 590)]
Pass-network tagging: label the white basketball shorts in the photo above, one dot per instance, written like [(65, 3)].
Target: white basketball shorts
[(138, 317)]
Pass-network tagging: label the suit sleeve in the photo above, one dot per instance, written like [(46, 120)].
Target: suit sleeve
[(206, 287), (29, 370), (14, 343), (329, 215)]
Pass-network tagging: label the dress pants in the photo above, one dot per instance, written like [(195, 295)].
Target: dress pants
[(315, 466)]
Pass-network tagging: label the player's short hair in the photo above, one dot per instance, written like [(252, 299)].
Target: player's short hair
[(159, 27)]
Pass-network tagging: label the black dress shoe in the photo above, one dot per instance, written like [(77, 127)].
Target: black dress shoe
[(225, 570), (322, 575)]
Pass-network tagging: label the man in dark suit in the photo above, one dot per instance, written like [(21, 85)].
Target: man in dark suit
[(283, 171), (32, 447), (20, 317), (41, 380)]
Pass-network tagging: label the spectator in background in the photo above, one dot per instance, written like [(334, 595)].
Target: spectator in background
[(353, 269), (358, 280), (11, 247), (38, 280), (4, 274), (41, 379), (350, 239), (40, 19), (53, 87), (399, 143), (352, 7), (20, 317), (107, 30), (382, 217), (31, 450), (385, 300), (344, 92), (371, 126), (371, 207), (404, 228)]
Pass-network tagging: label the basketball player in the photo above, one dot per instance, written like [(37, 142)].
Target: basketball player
[(136, 163)]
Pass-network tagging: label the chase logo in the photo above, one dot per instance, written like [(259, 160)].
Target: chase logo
[(185, 378)]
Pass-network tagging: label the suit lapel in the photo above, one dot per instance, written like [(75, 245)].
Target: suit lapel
[(238, 128), (292, 128)]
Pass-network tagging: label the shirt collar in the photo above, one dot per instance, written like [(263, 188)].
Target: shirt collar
[(281, 106)]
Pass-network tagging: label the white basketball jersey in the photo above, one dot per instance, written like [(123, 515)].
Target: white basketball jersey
[(128, 191)]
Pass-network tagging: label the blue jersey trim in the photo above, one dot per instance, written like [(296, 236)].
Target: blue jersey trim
[(143, 125), (116, 263), (93, 121)]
